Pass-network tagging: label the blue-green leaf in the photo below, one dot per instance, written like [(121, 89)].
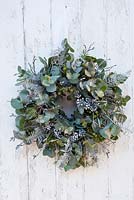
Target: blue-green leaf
[(115, 130), (51, 88), (16, 103), (45, 118), (48, 151), (101, 63), (24, 95), (20, 122)]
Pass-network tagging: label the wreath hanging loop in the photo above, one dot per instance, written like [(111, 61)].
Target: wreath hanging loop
[(97, 100)]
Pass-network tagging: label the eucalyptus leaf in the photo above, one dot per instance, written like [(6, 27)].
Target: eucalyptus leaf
[(87, 73), (48, 151), (69, 130), (19, 135), (101, 63), (106, 130), (55, 70), (115, 130), (49, 80), (20, 122), (100, 93), (45, 118), (72, 164), (16, 103), (51, 88), (24, 95), (31, 113), (73, 77)]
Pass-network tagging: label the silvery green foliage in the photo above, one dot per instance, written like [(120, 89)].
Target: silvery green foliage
[(98, 100)]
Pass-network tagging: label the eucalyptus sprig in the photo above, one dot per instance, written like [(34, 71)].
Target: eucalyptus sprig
[(98, 106)]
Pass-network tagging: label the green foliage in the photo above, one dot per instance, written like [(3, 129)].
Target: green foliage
[(51, 88), (16, 103), (20, 122), (48, 80), (43, 61), (49, 151), (46, 117), (24, 95), (98, 106), (101, 63)]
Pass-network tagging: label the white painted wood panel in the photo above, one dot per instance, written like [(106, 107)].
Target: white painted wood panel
[(94, 30), (38, 37), (13, 164), (118, 49), (31, 27)]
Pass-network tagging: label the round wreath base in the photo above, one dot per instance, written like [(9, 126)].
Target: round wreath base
[(95, 99)]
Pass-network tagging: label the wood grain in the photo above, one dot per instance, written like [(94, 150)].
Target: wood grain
[(13, 163), (36, 28)]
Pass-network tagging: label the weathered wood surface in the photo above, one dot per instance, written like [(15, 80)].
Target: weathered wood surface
[(31, 27)]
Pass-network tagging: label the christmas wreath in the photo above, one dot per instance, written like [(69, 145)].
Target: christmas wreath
[(97, 113)]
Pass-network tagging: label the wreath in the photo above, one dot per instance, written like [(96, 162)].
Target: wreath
[(97, 115)]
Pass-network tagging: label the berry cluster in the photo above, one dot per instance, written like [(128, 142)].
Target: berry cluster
[(77, 135), (87, 103), (57, 133)]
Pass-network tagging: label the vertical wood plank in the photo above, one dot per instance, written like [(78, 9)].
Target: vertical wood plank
[(58, 33), (67, 25), (74, 186), (118, 49), (93, 25), (13, 165), (39, 43), (131, 105), (94, 30)]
